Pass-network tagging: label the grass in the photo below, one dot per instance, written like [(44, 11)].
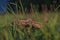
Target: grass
[(49, 26), (48, 31)]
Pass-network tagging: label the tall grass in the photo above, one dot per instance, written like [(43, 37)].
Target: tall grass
[(9, 30)]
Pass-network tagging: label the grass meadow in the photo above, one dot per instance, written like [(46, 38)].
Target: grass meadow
[(33, 26)]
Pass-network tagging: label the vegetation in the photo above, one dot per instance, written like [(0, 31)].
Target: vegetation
[(33, 26), (48, 30)]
